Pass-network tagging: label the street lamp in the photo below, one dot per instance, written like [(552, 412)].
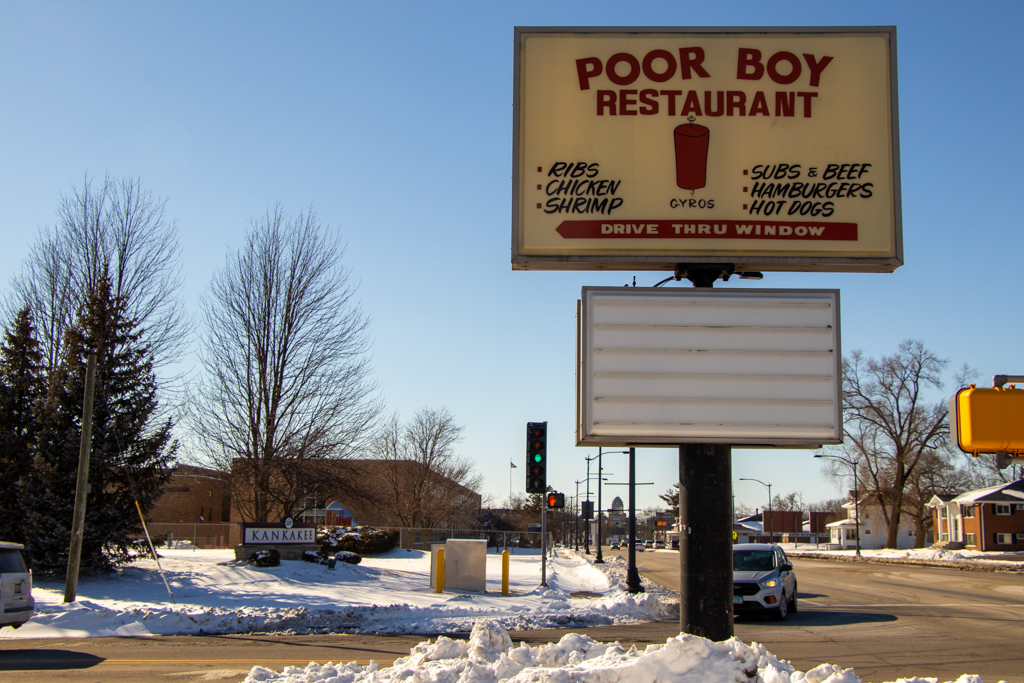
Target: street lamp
[(577, 525), (856, 500), (771, 535), (633, 584), (600, 509), (586, 530)]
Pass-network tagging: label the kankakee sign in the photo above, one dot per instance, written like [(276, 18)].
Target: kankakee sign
[(277, 534), (646, 148)]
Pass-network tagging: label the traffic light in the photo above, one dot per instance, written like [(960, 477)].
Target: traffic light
[(536, 457), (556, 500), (988, 421)]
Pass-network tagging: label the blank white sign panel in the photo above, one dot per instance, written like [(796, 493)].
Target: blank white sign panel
[(741, 367)]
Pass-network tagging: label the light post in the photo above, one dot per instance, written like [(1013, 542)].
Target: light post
[(600, 509), (771, 535), (586, 522), (586, 529), (856, 502), (633, 584), (577, 525)]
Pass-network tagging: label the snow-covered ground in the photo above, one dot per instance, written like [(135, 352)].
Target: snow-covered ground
[(1000, 560), (391, 594)]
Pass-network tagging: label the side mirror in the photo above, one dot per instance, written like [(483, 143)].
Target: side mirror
[(786, 567)]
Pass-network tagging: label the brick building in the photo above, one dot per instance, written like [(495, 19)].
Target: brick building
[(986, 519), (453, 506), (193, 495)]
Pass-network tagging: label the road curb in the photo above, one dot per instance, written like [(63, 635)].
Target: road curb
[(965, 565)]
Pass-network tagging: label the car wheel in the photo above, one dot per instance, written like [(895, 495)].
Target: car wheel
[(782, 611), (792, 602)]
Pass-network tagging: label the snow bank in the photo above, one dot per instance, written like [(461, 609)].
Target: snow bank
[(490, 656), (385, 595)]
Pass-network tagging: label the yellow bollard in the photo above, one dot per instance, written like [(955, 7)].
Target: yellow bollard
[(439, 576), (504, 573)]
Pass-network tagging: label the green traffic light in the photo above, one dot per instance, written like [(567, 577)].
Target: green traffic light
[(537, 457)]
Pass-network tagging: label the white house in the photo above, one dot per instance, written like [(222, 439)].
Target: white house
[(873, 529)]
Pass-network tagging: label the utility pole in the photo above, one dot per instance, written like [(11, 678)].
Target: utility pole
[(82, 486), (856, 499)]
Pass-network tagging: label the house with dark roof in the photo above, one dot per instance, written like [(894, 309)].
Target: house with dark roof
[(988, 519)]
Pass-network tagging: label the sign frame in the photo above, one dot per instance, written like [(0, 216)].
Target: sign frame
[(639, 367), (281, 533), (743, 259)]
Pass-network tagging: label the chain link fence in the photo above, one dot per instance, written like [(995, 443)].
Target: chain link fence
[(209, 535), (191, 535)]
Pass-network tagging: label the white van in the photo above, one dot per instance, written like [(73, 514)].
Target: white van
[(16, 603)]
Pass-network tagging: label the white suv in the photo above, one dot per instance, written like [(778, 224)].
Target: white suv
[(16, 603), (762, 580)]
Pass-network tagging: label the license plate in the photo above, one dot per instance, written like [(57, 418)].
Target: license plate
[(737, 599)]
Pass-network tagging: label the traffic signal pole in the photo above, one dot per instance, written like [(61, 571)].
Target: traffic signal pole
[(544, 544)]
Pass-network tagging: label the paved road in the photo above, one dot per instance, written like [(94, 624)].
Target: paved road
[(886, 621), (890, 621)]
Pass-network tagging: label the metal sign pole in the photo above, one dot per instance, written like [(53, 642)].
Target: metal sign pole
[(633, 584), (705, 541)]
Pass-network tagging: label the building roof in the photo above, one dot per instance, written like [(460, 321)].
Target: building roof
[(842, 523), (1011, 491)]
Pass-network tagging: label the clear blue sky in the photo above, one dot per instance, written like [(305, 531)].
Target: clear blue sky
[(394, 119)]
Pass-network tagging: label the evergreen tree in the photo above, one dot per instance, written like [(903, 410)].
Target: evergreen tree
[(130, 456), (21, 386)]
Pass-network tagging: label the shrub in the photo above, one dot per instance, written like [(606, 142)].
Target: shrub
[(359, 540), (265, 558), (347, 557), (320, 557)]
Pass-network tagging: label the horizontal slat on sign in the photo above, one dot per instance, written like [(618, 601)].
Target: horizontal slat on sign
[(677, 376), (737, 301), (760, 329), (703, 400), (763, 353), (738, 425)]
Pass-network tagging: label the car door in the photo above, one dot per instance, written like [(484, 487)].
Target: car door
[(15, 585), (788, 578)]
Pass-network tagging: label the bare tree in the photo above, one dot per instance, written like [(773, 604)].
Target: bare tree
[(890, 425), (788, 503), (936, 474), (833, 505), (426, 484), (286, 393), (118, 229), (742, 510)]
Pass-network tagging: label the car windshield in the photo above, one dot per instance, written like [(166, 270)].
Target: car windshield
[(753, 560)]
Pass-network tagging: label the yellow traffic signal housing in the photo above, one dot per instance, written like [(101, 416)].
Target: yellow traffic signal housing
[(988, 420)]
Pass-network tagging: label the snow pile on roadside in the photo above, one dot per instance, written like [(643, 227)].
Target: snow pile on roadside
[(389, 594), (914, 554), (489, 655)]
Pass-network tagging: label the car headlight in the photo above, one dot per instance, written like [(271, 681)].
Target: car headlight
[(768, 583)]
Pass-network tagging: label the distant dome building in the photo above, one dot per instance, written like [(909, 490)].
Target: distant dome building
[(617, 520)]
